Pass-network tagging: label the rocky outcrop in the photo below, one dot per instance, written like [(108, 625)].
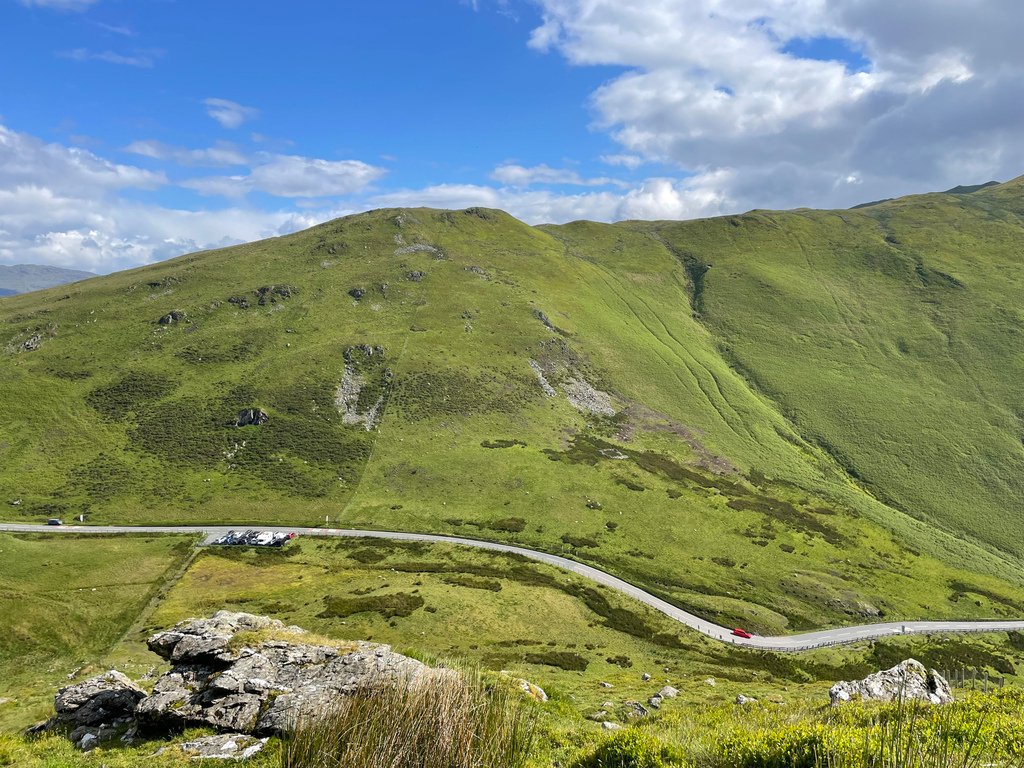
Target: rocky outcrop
[(357, 293), (96, 709), (908, 680), (253, 417), (260, 687), (415, 275), (363, 369), (173, 317), (245, 676)]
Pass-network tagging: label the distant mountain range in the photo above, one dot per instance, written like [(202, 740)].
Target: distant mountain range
[(23, 278)]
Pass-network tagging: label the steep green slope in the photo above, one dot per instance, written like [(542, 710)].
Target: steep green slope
[(890, 336), (590, 388)]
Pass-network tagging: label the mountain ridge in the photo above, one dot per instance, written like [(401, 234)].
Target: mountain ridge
[(24, 278), (681, 403)]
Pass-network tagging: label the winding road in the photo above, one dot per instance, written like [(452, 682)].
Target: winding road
[(801, 642)]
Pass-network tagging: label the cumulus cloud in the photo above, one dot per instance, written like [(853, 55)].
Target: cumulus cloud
[(26, 160), (230, 114), (66, 206), (293, 176), (698, 195), (710, 85)]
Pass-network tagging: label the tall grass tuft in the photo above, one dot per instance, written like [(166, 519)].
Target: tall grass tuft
[(450, 720)]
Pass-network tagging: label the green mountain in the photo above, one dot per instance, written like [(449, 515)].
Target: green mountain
[(23, 278), (788, 420)]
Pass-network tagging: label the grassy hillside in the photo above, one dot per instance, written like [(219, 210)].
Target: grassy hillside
[(781, 419), (64, 602)]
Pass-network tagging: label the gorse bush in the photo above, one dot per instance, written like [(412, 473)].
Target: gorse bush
[(452, 720), (983, 731), (633, 748)]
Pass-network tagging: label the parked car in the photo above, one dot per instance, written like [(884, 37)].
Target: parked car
[(254, 539), (55, 521), (742, 633)]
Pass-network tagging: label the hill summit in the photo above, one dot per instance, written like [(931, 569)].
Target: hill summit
[(785, 419)]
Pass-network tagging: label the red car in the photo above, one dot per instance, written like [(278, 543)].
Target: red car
[(742, 633)]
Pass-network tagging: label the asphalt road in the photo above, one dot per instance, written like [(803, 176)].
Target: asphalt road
[(801, 642)]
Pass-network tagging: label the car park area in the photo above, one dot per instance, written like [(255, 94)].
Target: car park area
[(254, 539)]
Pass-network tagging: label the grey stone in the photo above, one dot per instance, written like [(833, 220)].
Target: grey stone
[(908, 680), (645, 677), (225, 746), (634, 710), (172, 317), (668, 692), (655, 702), (263, 688), (415, 275), (357, 293), (107, 698), (745, 700), (610, 726), (251, 417)]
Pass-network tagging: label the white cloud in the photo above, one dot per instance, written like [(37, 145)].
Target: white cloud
[(141, 59), (655, 199), (230, 114), (60, 5), (709, 85), (293, 176), (63, 206), (520, 176), (626, 161), (221, 155), (25, 160), (116, 29)]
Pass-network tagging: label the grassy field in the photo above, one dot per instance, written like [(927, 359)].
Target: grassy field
[(442, 604), (503, 613), (781, 419), (64, 602)]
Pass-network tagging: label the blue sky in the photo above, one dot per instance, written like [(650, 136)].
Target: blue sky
[(134, 131)]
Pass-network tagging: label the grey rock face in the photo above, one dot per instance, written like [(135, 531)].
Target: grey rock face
[(263, 687), (668, 692), (908, 680), (251, 417), (106, 698)]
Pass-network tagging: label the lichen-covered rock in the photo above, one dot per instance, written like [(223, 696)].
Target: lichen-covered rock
[(225, 746), (265, 686), (106, 698), (908, 680)]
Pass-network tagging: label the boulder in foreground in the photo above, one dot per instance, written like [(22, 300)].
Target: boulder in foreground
[(908, 680)]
